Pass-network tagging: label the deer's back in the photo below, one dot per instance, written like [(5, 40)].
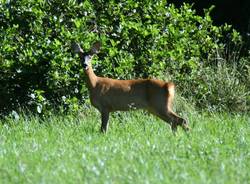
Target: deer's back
[(127, 94)]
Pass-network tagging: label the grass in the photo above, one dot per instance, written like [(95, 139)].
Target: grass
[(138, 148)]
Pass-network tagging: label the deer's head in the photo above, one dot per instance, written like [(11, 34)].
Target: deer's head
[(86, 57)]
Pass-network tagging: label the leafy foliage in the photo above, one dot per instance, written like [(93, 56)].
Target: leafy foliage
[(139, 39)]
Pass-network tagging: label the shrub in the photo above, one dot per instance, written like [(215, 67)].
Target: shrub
[(220, 89), (139, 39)]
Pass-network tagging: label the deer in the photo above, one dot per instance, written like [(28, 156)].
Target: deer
[(108, 95)]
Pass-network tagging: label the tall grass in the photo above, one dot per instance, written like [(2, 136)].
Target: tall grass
[(138, 148)]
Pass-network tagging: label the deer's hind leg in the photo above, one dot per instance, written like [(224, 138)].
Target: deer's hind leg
[(169, 114), (163, 109), (175, 120)]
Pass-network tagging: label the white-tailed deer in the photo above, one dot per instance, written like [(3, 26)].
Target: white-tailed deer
[(109, 95)]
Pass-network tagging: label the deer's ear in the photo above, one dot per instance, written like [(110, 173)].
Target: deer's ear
[(76, 48), (96, 48)]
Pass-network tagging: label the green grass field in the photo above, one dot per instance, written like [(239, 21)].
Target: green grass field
[(138, 148)]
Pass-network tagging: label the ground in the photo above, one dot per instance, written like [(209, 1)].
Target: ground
[(138, 148)]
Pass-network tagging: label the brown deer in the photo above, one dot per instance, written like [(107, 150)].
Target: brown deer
[(109, 95)]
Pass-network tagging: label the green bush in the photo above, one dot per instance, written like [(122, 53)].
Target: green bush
[(139, 39), (220, 89)]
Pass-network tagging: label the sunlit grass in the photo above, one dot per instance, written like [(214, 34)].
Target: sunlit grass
[(138, 148)]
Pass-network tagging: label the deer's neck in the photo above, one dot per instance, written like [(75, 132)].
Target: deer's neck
[(91, 77)]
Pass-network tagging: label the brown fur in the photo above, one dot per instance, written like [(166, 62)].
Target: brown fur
[(109, 95)]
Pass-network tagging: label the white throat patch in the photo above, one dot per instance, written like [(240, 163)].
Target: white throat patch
[(87, 61)]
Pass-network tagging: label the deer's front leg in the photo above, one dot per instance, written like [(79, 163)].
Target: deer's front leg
[(105, 119)]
